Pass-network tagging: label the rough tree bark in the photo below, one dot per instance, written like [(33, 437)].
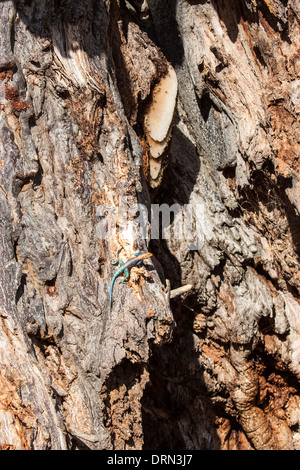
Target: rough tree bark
[(219, 366)]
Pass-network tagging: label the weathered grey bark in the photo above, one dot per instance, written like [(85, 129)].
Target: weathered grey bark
[(219, 366)]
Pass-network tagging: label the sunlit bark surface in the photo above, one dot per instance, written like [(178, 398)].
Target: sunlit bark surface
[(109, 103)]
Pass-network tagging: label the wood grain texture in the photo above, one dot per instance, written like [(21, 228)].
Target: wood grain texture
[(218, 366)]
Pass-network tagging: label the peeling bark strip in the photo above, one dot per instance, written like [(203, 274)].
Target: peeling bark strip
[(204, 354)]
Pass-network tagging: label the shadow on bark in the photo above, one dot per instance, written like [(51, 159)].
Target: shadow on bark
[(177, 414)]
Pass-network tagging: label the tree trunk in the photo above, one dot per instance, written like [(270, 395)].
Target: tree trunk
[(108, 106)]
